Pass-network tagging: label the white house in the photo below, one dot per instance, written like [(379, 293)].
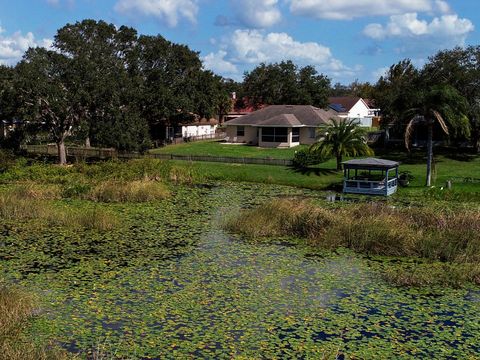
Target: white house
[(201, 127), (348, 107)]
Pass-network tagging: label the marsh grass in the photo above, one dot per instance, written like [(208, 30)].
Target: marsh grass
[(13, 206), (133, 191), (449, 237), (90, 218), (32, 190), (17, 308)]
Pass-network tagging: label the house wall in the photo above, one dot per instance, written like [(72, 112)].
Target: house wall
[(305, 138), (249, 138), (359, 110), (197, 130), (362, 112)]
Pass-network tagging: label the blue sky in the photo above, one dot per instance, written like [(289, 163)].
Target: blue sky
[(344, 39)]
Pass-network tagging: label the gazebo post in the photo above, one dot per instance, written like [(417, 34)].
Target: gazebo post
[(386, 182)]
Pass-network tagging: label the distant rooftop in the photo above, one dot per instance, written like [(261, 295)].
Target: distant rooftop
[(344, 104)]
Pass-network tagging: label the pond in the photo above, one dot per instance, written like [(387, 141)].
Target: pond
[(169, 283)]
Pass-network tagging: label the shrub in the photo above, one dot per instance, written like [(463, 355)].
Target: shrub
[(305, 158), (7, 161), (76, 190)]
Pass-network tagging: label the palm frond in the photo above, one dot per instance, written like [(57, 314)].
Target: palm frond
[(440, 120), (409, 131)]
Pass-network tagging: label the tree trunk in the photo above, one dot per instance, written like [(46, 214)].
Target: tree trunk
[(62, 154), (339, 162), (429, 153)]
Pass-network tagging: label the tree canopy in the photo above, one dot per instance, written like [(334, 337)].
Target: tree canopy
[(286, 83), (107, 85)]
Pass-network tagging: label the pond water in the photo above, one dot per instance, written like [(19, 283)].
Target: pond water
[(169, 283)]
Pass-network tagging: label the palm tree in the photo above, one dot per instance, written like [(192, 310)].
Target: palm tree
[(443, 105), (342, 138)]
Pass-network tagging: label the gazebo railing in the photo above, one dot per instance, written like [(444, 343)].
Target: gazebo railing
[(370, 187)]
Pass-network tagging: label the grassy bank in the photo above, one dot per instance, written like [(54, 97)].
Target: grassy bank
[(449, 239), (218, 148), (17, 309)]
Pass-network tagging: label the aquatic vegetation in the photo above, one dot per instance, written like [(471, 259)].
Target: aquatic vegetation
[(168, 282), (376, 229), (17, 308)]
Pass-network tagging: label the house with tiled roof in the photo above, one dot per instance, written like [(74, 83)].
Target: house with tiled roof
[(279, 126), (349, 107)]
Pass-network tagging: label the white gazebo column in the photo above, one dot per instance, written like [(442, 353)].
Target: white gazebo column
[(386, 182), (289, 137)]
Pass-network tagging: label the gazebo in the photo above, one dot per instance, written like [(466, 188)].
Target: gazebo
[(370, 176)]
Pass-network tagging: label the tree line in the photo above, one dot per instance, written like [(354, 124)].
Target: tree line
[(110, 86)]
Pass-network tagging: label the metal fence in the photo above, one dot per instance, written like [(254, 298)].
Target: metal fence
[(101, 153), (72, 151)]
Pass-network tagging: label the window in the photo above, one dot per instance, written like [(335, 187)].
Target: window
[(295, 135), (311, 133), (240, 130), (274, 134)]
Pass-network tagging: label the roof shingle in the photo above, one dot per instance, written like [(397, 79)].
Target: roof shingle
[(306, 115)]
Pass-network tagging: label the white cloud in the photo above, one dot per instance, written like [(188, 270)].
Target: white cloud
[(68, 3), (14, 46), (447, 27), (247, 48), (442, 6), (217, 63), (350, 9), (376, 74), (257, 13), (253, 46), (168, 11)]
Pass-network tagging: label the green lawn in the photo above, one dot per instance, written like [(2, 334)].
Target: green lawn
[(463, 171), (217, 148)]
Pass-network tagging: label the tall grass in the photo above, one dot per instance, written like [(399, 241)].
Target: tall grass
[(17, 308), (133, 191), (32, 190), (374, 229), (15, 207)]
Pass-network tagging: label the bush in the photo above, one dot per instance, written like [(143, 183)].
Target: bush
[(305, 158), (76, 190), (7, 161)]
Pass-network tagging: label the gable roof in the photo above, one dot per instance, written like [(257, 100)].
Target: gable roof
[(288, 115), (343, 104), (283, 120)]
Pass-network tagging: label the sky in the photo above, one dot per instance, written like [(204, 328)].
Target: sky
[(346, 40)]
